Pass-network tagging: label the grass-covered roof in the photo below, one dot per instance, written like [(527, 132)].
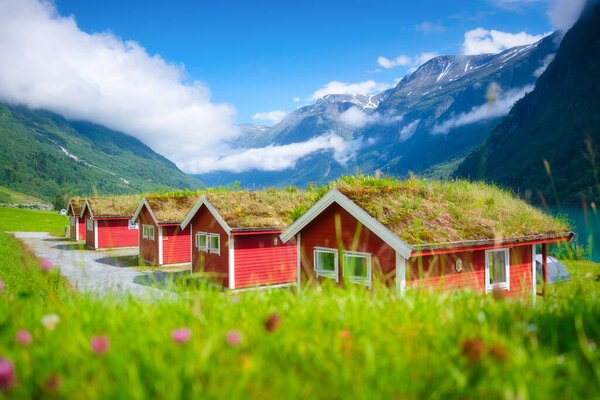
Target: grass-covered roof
[(259, 209), (77, 205), (171, 209), (423, 212), (113, 207)]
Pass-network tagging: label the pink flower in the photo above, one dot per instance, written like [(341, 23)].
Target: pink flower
[(24, 337), (234, 338), (46, 264), (99, 344), (7, 374), (181, 335), (1, 285)]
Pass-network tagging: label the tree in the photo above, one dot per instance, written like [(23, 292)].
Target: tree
[(61, 199)]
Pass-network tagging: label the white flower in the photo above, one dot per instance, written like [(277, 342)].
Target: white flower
[(49, 321)]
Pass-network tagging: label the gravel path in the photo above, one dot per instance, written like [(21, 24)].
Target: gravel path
[(94, 271)]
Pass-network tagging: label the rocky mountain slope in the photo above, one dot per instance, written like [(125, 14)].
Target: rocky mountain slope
[(547, 147)]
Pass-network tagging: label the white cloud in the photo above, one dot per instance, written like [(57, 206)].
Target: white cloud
[(276, 158), (430, 27), (407, 131), (564, 13), (271, 116), (354, 117), (405, 61), (547, 60), (481, 41), (47, 62), (336, 87), (296, 99), (498, 105)]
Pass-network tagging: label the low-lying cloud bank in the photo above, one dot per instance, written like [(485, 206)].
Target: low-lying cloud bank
[(278, 157), (498, 107)]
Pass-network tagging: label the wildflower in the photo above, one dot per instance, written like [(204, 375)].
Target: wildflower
[(472, 349), (246, 362), (499, 352), (1, 285), (7, 374), (591, 345), (498, 293), (234, 338), (272, 322), (346, 340), (99, 344), (50, 321), (23, 337), (181, 335), (46, 264), (345, 334), (53, 383)]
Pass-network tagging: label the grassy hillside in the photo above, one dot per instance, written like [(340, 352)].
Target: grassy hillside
[(548, 146), (17, 219), (41, 152)]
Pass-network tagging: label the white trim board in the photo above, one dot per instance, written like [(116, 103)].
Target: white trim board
[(139, 208), (231, 250), (335, 196)]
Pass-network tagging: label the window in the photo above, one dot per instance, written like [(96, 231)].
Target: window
[(201, 241), (72, 221), (89, 223), (214, 242), (148, 232), (326, 263), (357, 267), (133, 225), (497, 269)]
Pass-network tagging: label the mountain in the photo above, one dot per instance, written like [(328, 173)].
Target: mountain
[(41, 152), (558, 123), (427, 123)]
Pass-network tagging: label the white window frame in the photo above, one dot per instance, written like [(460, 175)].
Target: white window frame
[(335, 274), (201, 248), (359, 280), (214, 250), (89, 224), (504, 285), (148, 232), (133, 225)]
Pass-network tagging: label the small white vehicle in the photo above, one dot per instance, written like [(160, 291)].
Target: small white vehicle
[(63, 212)]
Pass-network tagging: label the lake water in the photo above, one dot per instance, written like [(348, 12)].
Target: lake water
[(586, 225)]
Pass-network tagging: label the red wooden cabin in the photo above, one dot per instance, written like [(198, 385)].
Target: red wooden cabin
[(76, 222), (235, 238), (339, 240), (162, 240), (108, 222)]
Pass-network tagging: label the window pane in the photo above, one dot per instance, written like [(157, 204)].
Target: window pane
[(497, 263), (201, 240), (325, 261), (214, 242), (357, 266)]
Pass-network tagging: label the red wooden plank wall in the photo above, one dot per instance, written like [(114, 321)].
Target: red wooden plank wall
[(89, 235), (176, 245), (116, 233), (322, 232), (73, 227), (216, 267), (148, 248), (439, 271), (262, 259)]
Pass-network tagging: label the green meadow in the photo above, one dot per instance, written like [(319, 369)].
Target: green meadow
[(318, 343)]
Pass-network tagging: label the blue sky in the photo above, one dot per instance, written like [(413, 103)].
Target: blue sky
[(260, 55)]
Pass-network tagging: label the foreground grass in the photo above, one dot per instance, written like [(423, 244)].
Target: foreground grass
[(329, 343), (18, 219)]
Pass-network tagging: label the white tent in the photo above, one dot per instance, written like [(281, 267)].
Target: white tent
[(556, 270)]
